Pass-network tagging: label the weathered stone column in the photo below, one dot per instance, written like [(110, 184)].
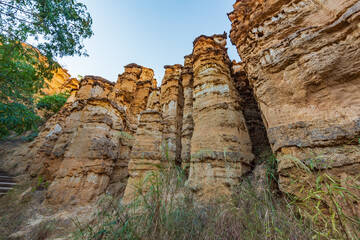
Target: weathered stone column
[(144, 86), (81, 144), (147, 150), (188, 121), (220, 145), (125, 86), (132, 90), (172, 102)]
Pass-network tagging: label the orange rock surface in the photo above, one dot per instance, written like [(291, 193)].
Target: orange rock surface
[(220, 145), (303, 62)]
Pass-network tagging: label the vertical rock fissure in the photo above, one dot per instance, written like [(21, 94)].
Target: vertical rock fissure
[(180, 116), (250, 108)]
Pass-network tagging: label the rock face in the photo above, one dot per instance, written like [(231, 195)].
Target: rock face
[(298, 86), (158, 136), (196, 120), (83, 150), (147, 149), (251, 111), (82, 144), (133, 88), (87, 151), (303, 62), (60, 82), (220, 144), (297, 92)]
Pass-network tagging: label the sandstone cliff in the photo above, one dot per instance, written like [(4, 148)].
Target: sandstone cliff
[(303, 62), (201, 123), (84, 149), (296, 92), (81, 144)]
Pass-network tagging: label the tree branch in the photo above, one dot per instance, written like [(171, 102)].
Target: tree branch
[(21, 20), (22, 10)]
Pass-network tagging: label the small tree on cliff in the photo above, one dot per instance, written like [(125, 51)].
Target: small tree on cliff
[(56, 28)]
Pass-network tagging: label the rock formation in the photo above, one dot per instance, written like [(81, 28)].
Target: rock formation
[(147, 150), (251, 111), (172, 102), (188, 121), (220, 145), (303, 62), (82, 146), (132, 90), (83, 150), (158, 136), (296, 92)]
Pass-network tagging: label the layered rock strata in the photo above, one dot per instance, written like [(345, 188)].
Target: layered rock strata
[(126, 84), (132, 90), (147, 150), (303, 61), (172, 102), (220, 145), (84, 149), (82, 146), (144, 86), (61, 82), (188, 121)]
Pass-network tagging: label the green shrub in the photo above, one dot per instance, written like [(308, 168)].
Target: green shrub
[(51, 104), (18, 118), (31, 136)]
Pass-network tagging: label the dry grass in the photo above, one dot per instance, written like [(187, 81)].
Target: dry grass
[(12, 211), (168, 211), (16, 209), (328, 200)]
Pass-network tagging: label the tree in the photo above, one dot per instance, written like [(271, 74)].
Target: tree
[(32, 34)]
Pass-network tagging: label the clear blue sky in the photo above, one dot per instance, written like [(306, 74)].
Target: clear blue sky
[(151, 33)]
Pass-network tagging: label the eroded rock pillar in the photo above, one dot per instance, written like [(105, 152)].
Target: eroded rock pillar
[(172, 102), (146, 153), (188, 121), (220, 145), (132, 90), (81, 145)]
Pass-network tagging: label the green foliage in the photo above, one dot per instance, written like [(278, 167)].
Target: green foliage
[(325, 198), (31, 136), (40, 185), (60, 25), (52, 103), (55, 28), (16, 117)]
